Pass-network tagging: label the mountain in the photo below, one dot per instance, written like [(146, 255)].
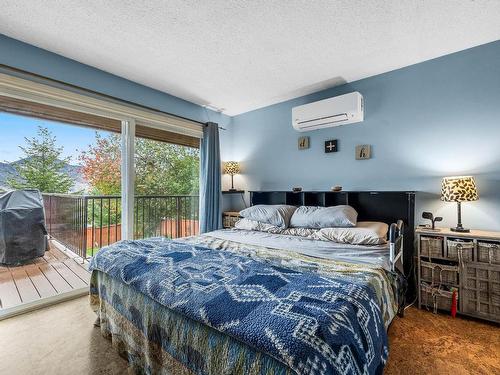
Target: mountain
[(8, 170)]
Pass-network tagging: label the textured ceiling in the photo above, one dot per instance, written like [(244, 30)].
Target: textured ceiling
[(242, 55)]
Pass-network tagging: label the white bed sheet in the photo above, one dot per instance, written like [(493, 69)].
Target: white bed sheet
[(368, 255)]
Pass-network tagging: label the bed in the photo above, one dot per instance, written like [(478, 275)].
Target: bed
[(246, 302)]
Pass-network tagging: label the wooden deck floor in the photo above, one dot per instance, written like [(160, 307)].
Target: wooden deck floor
[(56, 275)]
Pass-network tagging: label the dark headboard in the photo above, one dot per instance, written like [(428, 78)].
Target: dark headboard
[(385, 206)]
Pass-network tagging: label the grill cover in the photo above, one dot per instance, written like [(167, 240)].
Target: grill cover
[(22, 226)]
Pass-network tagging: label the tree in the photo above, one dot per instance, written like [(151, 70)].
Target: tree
[(165, 168), (42, 167), (101, 165), (161, 168)]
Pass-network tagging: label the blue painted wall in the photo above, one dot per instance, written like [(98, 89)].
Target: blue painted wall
[(426, 121)]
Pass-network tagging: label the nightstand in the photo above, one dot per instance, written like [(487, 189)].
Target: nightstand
[(241, 193), (229, 218), (467, 263)]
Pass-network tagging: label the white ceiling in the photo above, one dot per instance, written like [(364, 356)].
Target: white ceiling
[(241, 55)]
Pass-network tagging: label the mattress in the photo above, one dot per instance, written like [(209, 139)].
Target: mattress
[(162, 333)]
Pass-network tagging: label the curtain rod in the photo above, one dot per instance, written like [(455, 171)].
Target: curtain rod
[(25, 74)]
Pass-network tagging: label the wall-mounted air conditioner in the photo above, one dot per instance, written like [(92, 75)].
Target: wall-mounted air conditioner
[(340, 110)]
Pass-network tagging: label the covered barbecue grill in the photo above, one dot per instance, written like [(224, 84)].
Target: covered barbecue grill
[(23, 235)]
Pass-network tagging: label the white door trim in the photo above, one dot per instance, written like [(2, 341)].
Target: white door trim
[(128, 178)]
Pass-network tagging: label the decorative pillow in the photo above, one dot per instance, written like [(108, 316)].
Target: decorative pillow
[(324, 217), (299, 232), (278, 215), (364, 233), (248, 224)]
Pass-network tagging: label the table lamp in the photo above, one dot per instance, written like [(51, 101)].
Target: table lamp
[(232, 168), (459, 189)]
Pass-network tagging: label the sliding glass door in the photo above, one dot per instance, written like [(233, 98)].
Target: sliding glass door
[(166, 186)]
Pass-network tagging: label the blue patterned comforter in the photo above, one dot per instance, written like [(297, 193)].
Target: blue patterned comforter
[(314, 324)]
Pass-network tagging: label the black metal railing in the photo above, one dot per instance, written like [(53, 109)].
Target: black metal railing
[(66, 220), (84, 224)]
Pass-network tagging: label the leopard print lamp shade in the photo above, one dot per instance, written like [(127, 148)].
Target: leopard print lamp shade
[(231, 167), (459, 189)]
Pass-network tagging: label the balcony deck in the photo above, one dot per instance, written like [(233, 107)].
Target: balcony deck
[(58, 275)]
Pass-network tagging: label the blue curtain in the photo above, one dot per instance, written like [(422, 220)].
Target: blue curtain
[(210, 180)]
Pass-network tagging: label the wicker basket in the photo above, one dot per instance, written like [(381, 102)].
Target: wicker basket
[(495, 305), (470, 294), (436, 298), (431, 247), (476, 272), (480, 303), (481, 291), (438, 273), (488, 252), (476, 284), (460, 250), (230, 218), (495, 289)]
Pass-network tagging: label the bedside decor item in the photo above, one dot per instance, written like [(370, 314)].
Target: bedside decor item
[(303, 143), (232, 168), (297, 189), (336, 188), (363, 152), (430, 216), (331, 146), (459, 189)]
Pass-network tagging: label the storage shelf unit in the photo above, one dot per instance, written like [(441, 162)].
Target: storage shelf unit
[(468, 262)]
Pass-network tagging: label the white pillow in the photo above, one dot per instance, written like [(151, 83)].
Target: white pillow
[(248, 224), (299, 232), (364, 233), (278, 215), (324, 217)]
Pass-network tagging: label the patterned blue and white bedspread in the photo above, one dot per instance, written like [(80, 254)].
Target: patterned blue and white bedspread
[(315, 324)]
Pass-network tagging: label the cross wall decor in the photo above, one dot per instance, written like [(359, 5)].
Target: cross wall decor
[(331, 146)]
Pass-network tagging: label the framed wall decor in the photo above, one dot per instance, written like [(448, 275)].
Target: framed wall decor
[(331, 146), (303, 143), (363, 152)]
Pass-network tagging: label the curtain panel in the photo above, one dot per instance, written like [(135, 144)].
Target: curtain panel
[(210, 180)]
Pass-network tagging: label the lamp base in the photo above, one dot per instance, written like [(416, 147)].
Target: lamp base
[(232, 189), (460, 230)]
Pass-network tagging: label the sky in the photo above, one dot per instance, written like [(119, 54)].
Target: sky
[(14, 128)]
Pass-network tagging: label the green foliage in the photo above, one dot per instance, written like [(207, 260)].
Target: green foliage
[(165, 169), (101, 165), (42, 168), (160, 168)]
